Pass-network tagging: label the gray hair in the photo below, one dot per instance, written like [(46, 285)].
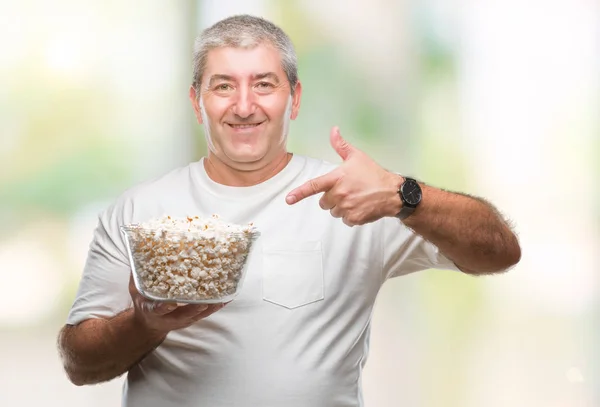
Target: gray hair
[(245, 31)]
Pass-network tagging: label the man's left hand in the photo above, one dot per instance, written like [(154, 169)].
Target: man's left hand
[(359, 191)]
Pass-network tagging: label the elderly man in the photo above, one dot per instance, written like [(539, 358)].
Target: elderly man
[(297, 334)]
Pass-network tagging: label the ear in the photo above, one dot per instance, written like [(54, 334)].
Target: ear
[(195, 104), (296, 100)]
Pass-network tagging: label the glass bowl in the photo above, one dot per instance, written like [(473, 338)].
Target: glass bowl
[(198, 267)]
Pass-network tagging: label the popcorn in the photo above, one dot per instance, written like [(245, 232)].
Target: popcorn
[(189, 259)]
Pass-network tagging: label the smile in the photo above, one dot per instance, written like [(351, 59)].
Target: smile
[(244, 126)]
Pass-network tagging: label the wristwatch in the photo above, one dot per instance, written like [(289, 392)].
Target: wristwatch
[(411, 194)]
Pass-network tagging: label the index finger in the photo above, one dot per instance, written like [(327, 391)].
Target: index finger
[(312, 187)]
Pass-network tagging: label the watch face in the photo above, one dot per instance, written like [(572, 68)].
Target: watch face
[(411, 192)]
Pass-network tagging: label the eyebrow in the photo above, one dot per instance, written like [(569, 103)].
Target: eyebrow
[(219, 77), (267, 75), (263, 75)]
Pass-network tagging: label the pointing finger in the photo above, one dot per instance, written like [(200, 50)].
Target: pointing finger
[(312, 187)]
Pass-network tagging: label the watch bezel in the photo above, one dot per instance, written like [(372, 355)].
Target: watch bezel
[(402, 191)]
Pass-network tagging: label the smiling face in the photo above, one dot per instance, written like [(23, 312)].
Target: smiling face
[(245, 105)]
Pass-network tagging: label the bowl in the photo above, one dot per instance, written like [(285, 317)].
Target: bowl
[(193, 267)]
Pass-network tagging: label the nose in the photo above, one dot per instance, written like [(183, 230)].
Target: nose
[(245, 103)]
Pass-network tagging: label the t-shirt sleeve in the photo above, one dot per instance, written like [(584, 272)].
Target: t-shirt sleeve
[(405, 252), (103, 290)]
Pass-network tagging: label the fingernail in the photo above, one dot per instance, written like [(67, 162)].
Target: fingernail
[(290, 199), (171, 307)]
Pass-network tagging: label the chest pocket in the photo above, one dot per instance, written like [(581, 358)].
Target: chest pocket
[(292, 273)]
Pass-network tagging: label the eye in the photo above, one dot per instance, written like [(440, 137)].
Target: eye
[(264, 85), (223, 87)]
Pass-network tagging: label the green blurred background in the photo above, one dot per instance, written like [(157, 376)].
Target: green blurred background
[(494, 98)]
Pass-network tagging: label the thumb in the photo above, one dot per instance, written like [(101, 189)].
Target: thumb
[(341, 146)]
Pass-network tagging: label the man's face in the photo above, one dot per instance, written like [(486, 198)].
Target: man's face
[(245, 105)]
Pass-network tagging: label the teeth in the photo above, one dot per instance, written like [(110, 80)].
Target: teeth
[(244, 126)]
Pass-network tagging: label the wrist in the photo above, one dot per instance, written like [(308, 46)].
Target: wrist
[(395, 202), (141, 327)]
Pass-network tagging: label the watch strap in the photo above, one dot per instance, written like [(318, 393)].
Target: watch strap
[(405, 212)]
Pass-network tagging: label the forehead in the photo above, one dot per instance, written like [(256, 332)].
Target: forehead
[(243, 62)]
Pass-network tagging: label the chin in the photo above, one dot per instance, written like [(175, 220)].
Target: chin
[(246, 157)]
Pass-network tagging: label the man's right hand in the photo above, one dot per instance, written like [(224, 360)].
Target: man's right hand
[(162, 317)]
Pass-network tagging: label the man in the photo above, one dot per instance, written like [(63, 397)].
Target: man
[(297, 334)]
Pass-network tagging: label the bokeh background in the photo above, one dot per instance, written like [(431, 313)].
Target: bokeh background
[(494, 98)]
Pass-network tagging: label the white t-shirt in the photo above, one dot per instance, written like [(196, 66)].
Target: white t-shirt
[(297, 335)]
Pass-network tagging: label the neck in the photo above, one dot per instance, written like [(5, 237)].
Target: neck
[(225, 174)]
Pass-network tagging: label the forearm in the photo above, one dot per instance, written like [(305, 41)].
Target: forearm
[(467, 230), (99, 350)]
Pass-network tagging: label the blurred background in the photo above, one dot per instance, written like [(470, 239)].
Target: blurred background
[(494, 98)]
